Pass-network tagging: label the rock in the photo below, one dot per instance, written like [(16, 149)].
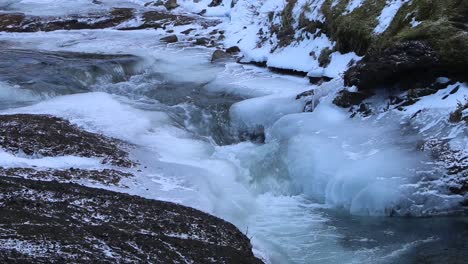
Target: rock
[(171, 4), (347, 99), (64, 223), (219, 55), (215, 3), (169, 39), (305, 94), (202, 41), (187, 31), (233, 50), (12, 20), (51, 136), (155, 3), (319, 80), (16, 22), (156, 19), (405, 63)]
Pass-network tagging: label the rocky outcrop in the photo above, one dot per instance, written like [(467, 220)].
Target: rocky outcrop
[(51, 136), (408, 64), (75, 175), (347, 99), (17, 22), (47, 221), (47, 217)]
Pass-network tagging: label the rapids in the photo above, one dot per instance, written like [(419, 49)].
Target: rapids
[(319, 189)]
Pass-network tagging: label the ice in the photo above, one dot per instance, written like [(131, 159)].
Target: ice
[(343, 162), (263, 111), (14, 95)]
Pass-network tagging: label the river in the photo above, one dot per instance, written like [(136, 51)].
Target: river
[(232, 140)]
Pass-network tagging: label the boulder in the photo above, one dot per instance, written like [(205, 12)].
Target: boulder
[(169, 39), (233, 50), (202, 41), (187, 31), (171, 4), (404, 63), (347, 99), (219, 55), (52, 136), (54, 222)]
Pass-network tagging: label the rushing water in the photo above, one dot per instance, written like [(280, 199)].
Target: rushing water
[(192, 122)]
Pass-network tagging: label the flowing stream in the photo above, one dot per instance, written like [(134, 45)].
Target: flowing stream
[(231, 140)]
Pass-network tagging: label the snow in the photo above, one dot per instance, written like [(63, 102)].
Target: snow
[(388, 13), (414, 23), (442, 100), (353, 4), (8, 160)]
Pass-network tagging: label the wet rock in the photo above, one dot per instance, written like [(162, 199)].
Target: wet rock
[(405, 63), (169, 39), (156, 19), (11, 21), (233, 50), (347, 99), (171, 4), (17, 22), (187, 31), (24, 23), (319, 80), (256, 135), (68, 223), (202, 41), (51, 136), (219, 55), (305, 94)]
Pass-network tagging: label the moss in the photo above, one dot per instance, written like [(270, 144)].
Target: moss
[(352, 31), (286, 31), (442, 26)]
